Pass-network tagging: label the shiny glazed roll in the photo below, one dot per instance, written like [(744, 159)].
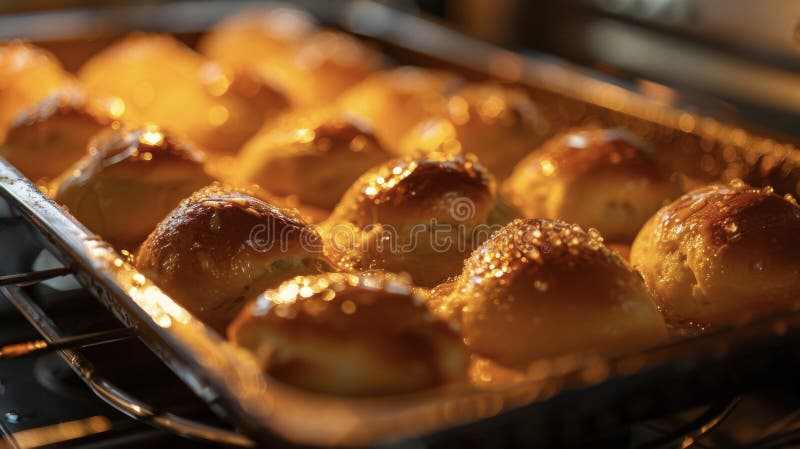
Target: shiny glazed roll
[(419, 216), (721, 255), (28, 74), (498, 124), (603, 178), (129, 180), (313, 155), (395, 100), (155, 78), (222, 247), (542, 288), (344, 334), (51, 136)]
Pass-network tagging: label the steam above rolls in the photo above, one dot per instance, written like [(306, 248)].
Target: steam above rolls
[(154, 78), (51, 136), (419, 216), (604, 179), (129, 181), (498, 124), (344, 334), (221, 247), (721, 255), (540, 288), (315, 155)]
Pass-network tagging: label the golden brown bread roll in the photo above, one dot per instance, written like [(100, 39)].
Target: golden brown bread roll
[(363, 335), (541, 288), (314, 69), (51, 136), (603, 178), (313, 155), (395, 100), (27, 75), (266, 37), (129, 181), (498, 124), (721, 255), (419, 216), (155, 78), (221, 247)]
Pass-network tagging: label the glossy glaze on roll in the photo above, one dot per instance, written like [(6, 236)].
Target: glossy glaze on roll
[(28, 74), (221, 247), (542, 288), (419, 216), (155, 78), (313, 155), (48, 138), (129, 181), (356, 335), (601, 178), (721, 255), (393, 101), (498, 124)]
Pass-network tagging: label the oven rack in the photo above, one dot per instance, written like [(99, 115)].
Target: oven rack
[(68, 346)]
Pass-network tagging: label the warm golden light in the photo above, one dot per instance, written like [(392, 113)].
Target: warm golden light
[(218, 115), (152, 137), (116, 107), (56, 433)]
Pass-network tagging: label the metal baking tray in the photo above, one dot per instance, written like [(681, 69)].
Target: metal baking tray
[(561, 399)]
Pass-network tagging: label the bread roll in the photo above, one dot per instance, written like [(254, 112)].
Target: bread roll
[(27, 75), (498, 124), (129, 181), (419, 216), (346, 334), (395, 100), (313, 70), (266, 37), (603, 179), (155, 78), (313, 155), (721, 255), (542, 288), (51, 136), (221, 247)]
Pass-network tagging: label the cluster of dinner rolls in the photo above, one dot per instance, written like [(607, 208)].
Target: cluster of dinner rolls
[(721, 255), (541, 288), (342, 220), (600, 178), (500, 125), (155, 78), (129, 180), (421, 216), (351, 334), (48, 138), (221, 247), (283, 44)]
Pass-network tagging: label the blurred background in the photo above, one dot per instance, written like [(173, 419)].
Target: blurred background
[(734, 59)]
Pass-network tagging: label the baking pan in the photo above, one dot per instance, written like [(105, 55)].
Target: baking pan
[(561, 399)]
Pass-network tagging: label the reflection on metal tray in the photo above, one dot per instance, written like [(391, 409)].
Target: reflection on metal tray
[(563, 398)]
